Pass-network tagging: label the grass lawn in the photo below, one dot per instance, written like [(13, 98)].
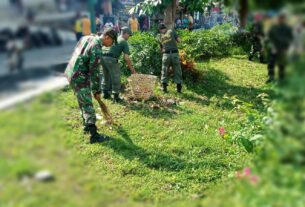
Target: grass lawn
[(161, 155)]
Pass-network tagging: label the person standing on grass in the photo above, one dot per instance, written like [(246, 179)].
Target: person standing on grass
[(98, 24), (15, 48), (178, 23), (78, 26), (256, 38), (86, 25), (133, 24), (168, 39), (280, 37), (191, 22), (108, 24), (185, 22), (83, 75), (111, 82)]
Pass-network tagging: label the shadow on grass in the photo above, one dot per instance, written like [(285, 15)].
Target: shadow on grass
[(155, 159), (156, 108), (215, 83), (160, 161)]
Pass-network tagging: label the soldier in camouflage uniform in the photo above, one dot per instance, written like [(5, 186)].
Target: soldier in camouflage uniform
[(256, 37), (168, 39), (280, 38), (83, 75)]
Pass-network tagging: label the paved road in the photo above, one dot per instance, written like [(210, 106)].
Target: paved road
[(43, 68), (40, 58), (43, 72)]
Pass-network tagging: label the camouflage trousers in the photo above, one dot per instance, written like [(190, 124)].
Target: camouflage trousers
[(173, 60), (84, 99), (111, 81)]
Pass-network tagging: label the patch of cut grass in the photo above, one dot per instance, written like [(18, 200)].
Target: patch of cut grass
[(158, 156)]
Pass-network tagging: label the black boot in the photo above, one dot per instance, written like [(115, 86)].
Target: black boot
[(86, 129), (179, 88), (106, 95), (262, 59), (281, 73), (95, 136), (250, 58), (116, 98), (164, 87), (270, 80)]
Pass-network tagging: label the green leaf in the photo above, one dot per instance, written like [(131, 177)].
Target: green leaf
[(247, 144), (251, 118)]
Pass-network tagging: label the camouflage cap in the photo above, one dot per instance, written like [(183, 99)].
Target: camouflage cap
[(126, 30), (112, 34)]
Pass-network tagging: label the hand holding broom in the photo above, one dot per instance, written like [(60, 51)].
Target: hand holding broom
[(104, 109)]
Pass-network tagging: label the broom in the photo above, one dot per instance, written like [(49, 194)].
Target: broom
[(105, 111)]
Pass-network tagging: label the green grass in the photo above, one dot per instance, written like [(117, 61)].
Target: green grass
[(163, 156)]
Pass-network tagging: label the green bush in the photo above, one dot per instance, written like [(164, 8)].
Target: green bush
[(204, 44), (280, 163), (220, 41), (145, 54), (241, 40)]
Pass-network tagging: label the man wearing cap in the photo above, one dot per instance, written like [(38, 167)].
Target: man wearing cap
[(111, 82), (168, 39), (83, 72)]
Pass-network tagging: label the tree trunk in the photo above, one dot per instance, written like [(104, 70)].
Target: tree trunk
[(243, 13), (170, 14), (91, 6), (107, 7)]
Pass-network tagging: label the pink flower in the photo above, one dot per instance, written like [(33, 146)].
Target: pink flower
[(247, 172), (254, 180), (222, 131)]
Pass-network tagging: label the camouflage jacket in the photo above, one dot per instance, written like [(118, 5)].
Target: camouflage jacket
[(83, 68)]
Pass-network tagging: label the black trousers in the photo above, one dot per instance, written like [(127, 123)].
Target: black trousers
[(276, 59)]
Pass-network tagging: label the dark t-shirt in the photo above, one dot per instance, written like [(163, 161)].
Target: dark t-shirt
[(281, 36), (257, 30), (116, 50)]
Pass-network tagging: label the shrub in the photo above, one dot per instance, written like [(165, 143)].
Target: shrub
[(204, 44), (280, 163), (241, 40), (220, 41), (145, 54)]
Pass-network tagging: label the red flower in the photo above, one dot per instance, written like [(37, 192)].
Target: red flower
[(247, 172), (222, 131)]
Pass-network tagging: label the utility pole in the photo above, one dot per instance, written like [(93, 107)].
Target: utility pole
[(91, 6)]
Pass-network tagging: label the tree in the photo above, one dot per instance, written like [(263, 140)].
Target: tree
[(170, 13), (150, 7), (245, 6), (192, 6), (243, 12), (168, 8)]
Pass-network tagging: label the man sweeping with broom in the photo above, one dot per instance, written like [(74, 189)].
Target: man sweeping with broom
[(84, 77)]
